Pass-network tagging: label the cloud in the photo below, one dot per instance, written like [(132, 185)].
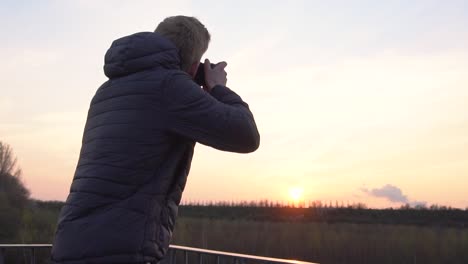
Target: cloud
[(388, 191), (393, 194)]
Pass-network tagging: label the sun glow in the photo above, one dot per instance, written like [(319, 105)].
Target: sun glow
[(296, 194)]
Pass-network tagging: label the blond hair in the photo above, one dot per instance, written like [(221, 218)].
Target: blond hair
[(189, 35)]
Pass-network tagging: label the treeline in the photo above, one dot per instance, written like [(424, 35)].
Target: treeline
[(14, 197), (22, 220), (309, 204), (402, 216)]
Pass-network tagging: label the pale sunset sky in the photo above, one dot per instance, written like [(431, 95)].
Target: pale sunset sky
[(355, 101)]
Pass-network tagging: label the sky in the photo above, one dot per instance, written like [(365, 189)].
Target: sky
[(355, 101)]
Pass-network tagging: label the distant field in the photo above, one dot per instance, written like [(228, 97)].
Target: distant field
[(324, 235), (327, 243)]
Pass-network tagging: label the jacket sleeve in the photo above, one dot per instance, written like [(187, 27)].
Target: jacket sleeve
[(219, 119)]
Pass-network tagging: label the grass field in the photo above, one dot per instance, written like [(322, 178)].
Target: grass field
[(327, 243), (344, 236)]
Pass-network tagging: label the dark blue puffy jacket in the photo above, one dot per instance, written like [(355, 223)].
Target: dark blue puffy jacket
[(136, 152)]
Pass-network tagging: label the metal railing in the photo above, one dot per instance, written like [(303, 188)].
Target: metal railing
[(176, 254), (30, 248)]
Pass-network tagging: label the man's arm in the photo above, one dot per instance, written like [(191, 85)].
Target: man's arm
[(219, 119)]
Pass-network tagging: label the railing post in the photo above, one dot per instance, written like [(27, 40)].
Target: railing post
[(2, 258), (170, 254), (33, 256)]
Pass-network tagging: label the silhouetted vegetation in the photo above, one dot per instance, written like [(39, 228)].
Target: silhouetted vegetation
[(434, 215), (13, 195), (22, 220)]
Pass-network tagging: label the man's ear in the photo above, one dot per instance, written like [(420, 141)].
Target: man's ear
[(193, 69)]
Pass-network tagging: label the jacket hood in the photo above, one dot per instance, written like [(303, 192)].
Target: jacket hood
[(139, 52)]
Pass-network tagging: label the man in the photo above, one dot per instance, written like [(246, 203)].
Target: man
[(138, 144)]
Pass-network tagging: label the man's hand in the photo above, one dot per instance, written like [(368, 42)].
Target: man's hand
[(214, 76)]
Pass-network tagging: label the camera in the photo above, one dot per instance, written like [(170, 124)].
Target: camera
[(200, 75)]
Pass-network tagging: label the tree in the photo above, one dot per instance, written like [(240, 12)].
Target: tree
[(7, 162), (13, 195), (10, 177)]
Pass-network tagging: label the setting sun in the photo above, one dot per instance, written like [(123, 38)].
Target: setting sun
[(296, 193)]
